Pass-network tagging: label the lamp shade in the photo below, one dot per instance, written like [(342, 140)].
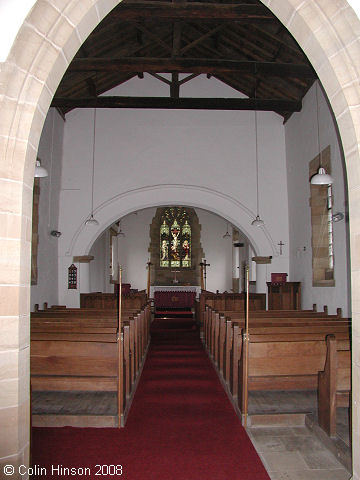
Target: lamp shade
[(227, 234), (40, 171), (91, 221), (322, 178), (257, 222), (337, 217)]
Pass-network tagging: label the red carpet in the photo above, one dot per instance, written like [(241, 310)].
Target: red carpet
[(181, 425)]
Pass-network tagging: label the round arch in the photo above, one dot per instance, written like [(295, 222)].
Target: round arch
[(44, 47), (205, 198)]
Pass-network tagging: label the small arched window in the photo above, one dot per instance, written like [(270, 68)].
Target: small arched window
[(175, 238)]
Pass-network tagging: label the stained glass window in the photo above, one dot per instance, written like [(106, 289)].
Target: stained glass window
[(175, 238), (164, 244)]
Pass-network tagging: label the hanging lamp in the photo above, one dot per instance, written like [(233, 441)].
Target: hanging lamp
[(40, 172), (321, 177), (91, 220), (227, 234), (257, 222)]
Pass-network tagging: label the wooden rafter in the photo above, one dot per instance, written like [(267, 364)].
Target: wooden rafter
[(180, 103), (190, 65), (153, 36), (202, 38), (193, 10), (236, 43)]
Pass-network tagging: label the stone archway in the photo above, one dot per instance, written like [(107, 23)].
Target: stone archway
[(46, 43)]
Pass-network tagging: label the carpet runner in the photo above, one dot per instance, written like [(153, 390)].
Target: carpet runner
[(181, 424)]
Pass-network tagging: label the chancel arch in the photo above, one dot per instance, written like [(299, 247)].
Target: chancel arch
[(138, 245), (78, 242), (80, 239)]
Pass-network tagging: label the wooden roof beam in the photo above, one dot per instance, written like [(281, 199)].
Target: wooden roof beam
[(192, 11), (190, 65), (179, 103)]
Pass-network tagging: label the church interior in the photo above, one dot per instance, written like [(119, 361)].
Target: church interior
[(191, 221)]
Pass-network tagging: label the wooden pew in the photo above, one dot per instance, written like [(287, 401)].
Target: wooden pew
[(210, 322), (285, 351), (223, 335), (75, 352), (285, 358), (334, 385), (229, 301), (99, 300), (74, 365), (279, 335), (214, 324)]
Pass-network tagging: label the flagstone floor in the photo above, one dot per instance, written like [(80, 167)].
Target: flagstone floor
[(295, 453)]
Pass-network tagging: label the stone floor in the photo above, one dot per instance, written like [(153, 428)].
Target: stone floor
[(272, 402), (74, 403), (295, 453), (288, 453)]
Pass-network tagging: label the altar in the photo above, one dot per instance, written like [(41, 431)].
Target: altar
[(174, 296)]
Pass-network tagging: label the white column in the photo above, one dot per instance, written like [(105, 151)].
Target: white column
[(84, 272), (84, 280), (236, 261), (236, 269), (261, 270)]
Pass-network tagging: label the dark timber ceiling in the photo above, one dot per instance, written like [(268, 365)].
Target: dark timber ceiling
[(242, 45)]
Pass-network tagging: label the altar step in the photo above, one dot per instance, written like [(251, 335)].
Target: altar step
[(173, 313)]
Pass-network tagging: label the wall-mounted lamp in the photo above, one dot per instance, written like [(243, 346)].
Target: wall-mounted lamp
[(40, 172), (337, 217)]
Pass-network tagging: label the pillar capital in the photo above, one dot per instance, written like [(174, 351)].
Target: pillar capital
[(83, 259), (261, 260)]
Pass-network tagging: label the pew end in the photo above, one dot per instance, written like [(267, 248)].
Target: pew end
[(334, 383)]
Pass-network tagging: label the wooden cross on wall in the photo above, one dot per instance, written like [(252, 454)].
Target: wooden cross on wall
[(175, 272), (281, 244)]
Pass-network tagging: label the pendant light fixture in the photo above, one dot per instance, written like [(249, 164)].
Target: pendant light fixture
[(91, 220), (227, 234), (320, 178), (40, 172), (257, 222)]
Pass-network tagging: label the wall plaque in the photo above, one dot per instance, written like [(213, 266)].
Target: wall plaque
[(72, 277)]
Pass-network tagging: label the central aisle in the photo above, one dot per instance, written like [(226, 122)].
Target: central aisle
[(181, 425)]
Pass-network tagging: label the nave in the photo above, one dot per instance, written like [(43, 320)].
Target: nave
[(182, 426)]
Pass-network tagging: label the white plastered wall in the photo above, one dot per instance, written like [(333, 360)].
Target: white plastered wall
[(301, 148), (99, 267), (50, 154), (157, 157)]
